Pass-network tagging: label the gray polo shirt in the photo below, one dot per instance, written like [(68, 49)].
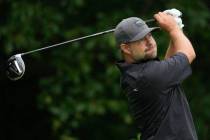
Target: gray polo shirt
[(156, 99)]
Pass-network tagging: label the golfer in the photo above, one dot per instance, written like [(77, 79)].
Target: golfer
[(152, 86)]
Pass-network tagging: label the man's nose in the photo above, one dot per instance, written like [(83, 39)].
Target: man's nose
[(148, 40)]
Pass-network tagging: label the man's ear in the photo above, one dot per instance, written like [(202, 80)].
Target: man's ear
[(125, 48)]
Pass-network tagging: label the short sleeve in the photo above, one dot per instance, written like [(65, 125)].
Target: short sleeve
[(169, 72)]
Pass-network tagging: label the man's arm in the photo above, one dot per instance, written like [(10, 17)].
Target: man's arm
[(179, 42), (170, 50)]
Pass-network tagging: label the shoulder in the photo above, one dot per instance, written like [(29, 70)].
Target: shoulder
[(168, 72), (176, 61)]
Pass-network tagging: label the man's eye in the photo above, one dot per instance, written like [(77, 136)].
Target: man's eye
[(149, 34)]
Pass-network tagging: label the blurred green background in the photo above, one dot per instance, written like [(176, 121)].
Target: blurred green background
[(73, 92)]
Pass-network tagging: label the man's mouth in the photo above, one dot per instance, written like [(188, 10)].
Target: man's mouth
[(149, 49)]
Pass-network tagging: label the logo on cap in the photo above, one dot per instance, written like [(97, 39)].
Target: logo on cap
[(139, 23)]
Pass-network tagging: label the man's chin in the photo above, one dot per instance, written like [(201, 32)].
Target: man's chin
[(151, 56)]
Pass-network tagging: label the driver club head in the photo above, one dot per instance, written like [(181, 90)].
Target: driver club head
[(15, 67)]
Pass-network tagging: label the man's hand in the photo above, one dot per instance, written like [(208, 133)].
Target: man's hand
[(174, 12), (166, 22), (177, 16)]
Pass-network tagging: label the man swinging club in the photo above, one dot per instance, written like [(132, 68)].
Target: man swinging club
[(153, 87)]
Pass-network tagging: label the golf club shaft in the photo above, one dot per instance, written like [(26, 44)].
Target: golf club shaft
[(74, 40)]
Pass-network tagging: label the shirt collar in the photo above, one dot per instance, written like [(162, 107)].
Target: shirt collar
[(123, 66)]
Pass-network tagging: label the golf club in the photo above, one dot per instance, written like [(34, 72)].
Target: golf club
[(16, 66)]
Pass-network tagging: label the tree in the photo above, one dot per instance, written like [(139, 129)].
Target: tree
[(76, 88)]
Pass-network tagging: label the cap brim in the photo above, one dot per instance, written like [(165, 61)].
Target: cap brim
[(144, 33)]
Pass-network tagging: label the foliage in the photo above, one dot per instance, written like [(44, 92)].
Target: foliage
[(79, 85)]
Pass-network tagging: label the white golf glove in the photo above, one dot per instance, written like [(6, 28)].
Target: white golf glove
[(177, 16)]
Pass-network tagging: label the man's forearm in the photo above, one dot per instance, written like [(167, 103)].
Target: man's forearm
[(180, 43), (170, 51)]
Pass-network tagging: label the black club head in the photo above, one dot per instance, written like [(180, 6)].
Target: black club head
[(15, 67)]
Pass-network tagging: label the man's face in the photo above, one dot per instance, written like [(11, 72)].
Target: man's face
[(144, 48)]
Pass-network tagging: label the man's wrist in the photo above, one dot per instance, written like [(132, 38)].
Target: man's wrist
[(175, 32)]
